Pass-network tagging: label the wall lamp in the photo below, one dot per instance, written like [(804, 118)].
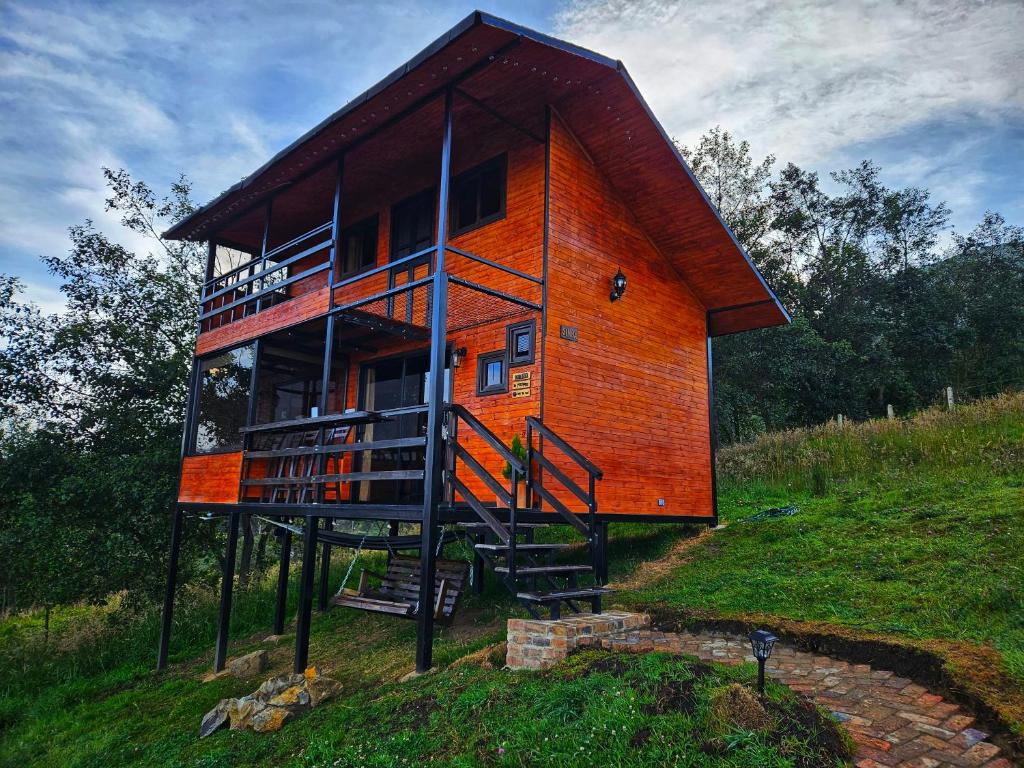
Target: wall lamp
[(761, 643), (458, 355), (618, 285)]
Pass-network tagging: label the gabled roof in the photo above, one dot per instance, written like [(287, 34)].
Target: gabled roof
[(518, 71)]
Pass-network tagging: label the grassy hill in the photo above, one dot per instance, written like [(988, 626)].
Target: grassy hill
[(910, 530)]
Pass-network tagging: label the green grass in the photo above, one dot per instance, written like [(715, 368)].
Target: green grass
[(913, 529)]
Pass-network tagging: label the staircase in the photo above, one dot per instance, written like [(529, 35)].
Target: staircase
[(527, 568)]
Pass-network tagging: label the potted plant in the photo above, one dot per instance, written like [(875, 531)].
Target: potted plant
[(519, 451)]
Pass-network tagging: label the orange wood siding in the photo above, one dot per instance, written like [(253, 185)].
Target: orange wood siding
[(211, 479), (631, 394), (293, 311)]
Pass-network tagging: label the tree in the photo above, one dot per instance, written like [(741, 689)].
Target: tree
[(93, 401)]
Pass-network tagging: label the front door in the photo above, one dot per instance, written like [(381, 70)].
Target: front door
[(395, 383)]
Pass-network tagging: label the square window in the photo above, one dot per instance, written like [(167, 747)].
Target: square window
[(478, 196), (520, 343), (491, 373), (358, 247)]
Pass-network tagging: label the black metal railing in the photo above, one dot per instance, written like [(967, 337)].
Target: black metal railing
[(263, 280), (456, 451), (545, 465)]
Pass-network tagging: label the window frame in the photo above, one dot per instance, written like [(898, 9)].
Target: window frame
[(194, 398), (369, 224), (500, 163), (482, 361), (530, 326)]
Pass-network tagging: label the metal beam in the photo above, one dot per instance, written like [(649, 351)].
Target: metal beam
[(226, 586), (172, 581), (433, 490), (282, 582), (305, 594), (712, 429)]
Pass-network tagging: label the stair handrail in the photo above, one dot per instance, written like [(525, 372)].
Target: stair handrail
[(518, 470), (564, 446), (594, 474)]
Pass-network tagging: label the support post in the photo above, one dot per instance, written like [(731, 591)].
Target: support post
[(712, 429), (602, 548), (172, 583), (305, 594), (325, 567), (282, 582), (433, 490), (226, 586), (478, 564)]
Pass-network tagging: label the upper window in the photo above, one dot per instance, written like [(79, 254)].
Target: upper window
[(223, 400), (359, 247), (491, 373), (478, 196), (521, 343)]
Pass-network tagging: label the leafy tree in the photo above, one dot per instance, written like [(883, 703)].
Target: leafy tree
[(93, 401)]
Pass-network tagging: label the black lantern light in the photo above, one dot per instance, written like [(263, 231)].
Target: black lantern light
[(761, 642), (618, 285), (458, 355)]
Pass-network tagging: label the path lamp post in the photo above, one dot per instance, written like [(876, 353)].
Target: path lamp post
[(761, 642)]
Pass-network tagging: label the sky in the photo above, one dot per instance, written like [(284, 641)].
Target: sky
[(931, 91)]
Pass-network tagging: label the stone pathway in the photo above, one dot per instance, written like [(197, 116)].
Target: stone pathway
[(894, 721)]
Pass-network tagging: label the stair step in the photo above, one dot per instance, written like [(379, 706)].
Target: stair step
[(563, 594), (520, 525), (540, 570), (522, 547)]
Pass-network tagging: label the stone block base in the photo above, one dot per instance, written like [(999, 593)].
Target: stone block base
[(539, 644)]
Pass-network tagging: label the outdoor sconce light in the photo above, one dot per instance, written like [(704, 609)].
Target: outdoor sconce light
[(761, 642), (618, 285), (458, 355)]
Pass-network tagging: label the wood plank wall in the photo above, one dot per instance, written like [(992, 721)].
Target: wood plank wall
[(631, 394)]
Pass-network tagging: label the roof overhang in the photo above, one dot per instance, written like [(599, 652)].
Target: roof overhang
[(518, 72)]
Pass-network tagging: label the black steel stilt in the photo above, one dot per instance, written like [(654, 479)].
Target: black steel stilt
[(325, 568), (433, 480), (306, 594), (227, 584), (602, 560), (478, 564), (282, 582), (172, 583)]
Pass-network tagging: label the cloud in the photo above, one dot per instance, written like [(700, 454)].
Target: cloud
[(805, 79)]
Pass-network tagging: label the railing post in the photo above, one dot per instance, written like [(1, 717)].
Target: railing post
[(595, 537), (263, 251), (513, 523), (433, 488), (529, 463)]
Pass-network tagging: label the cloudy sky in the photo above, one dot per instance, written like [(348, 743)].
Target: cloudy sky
[(933, 91)]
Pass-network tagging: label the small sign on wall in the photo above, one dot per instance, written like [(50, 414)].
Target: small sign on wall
[(569, 332), (521, 383)]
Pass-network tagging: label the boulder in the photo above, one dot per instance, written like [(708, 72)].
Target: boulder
[(249, 665), (274, 703)]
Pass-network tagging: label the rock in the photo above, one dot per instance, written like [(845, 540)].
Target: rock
[(215, 719), (274, 703), (270, 719), (249, 665)]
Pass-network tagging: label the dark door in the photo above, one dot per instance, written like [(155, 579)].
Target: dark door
[(412, 229), (398, 382)]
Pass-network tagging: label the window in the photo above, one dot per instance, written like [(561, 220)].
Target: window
[(222, 406), (521, 343), (478, 196), (358, 247), (491, 373)]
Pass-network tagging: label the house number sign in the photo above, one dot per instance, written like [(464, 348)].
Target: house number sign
[(569, 332)]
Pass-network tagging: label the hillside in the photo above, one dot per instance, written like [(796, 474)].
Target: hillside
[(907, 530)]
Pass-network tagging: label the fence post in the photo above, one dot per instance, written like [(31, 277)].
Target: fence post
[(949, 398), (890, 413), (839, 420)]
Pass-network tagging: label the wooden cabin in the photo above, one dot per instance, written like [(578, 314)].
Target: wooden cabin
[(503, 211)]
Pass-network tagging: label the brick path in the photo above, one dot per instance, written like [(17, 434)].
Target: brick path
[(894, 721)]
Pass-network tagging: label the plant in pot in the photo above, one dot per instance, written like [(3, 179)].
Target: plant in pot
[(519, 451)]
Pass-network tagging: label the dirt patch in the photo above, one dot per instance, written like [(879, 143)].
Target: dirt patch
[(799, 721), (488, 657), (653, 571), (608, 663), (640, 738), (678, 695), (417, 711), (970, 675), (736, 705)]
